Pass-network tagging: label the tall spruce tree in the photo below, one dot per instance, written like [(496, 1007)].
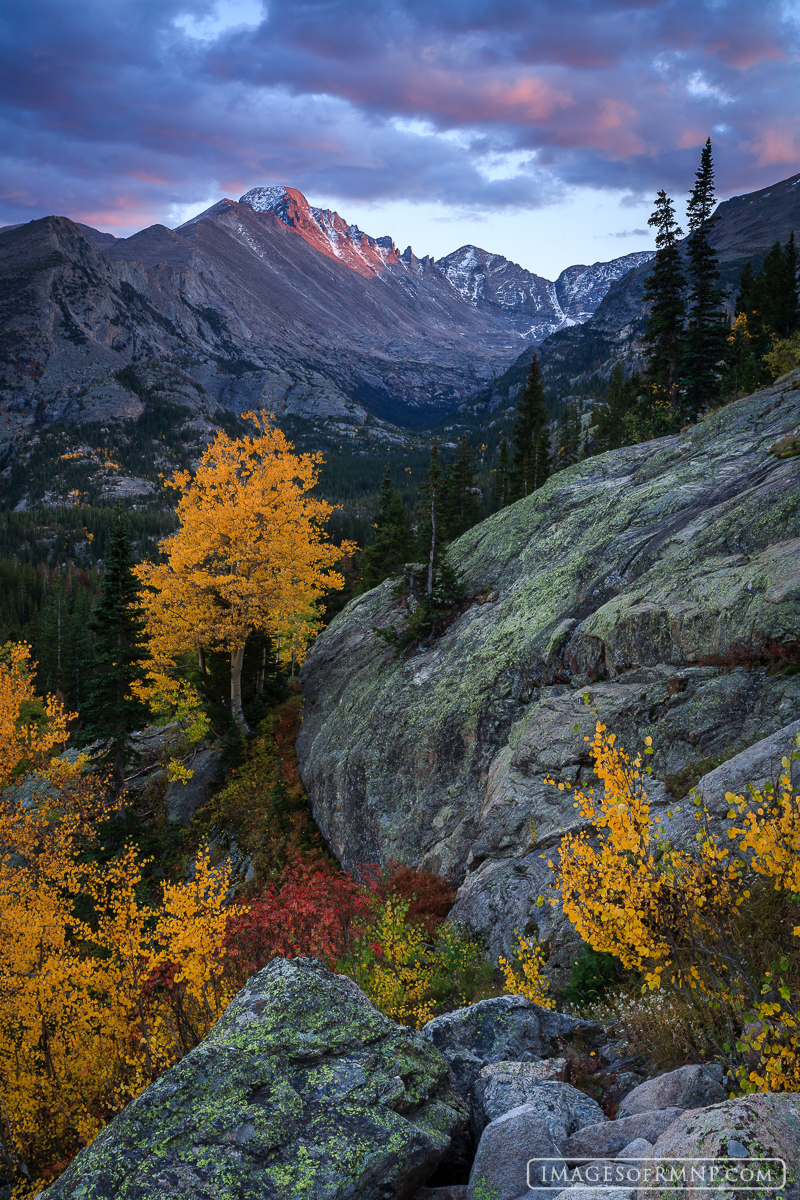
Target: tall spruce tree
[(774, 291), (111, 713), (611, 429), (429, 525), (531, 436), (704, 341), (393, 544), (461, 503), (570, 435), (501, 484), (663, 290)]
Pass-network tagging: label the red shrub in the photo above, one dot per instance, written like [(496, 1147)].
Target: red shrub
[(429, 897), (305, 913)]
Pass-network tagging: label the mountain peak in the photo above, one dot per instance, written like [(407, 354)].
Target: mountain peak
[(322, 228), (266, 199)]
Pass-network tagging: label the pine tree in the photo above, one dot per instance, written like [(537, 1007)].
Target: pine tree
[(744, 297), (461, 505), (531, 436), (792, 300), (110, 712), (611, 430), (706, 331), (500, 487), (392, 545), (429, 533), (570, 435), (774, 291), (664, 290)]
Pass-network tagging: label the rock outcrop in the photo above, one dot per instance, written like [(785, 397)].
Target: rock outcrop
[(302, 1088), (660, 581)]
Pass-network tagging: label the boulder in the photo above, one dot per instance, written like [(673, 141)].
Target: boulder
[(597, 1193), (302, 1088), (500, 1169), (607, 1139), (637, 576), (765, 1125), (503, 1027), (546, 1068), (562, 1108), (638, 1148), (688, 1087), (183, 800)]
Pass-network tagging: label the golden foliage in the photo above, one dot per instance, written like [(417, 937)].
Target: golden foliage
[(84, 1026), (250, 552), (675, 917), (29, 727), (405, 973), (529, 980)]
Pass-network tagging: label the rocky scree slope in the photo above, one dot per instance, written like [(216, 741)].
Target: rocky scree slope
[(635, 577)]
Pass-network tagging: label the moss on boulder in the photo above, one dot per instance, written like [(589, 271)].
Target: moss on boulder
[(302, 1090)]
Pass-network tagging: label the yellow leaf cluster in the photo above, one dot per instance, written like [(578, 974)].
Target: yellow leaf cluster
[(672, 915), (30, 729), (529, 980), (404, 974), (250, 552), (85, 1022)]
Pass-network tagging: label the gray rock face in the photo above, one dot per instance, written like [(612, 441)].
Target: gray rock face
[(183, 800), (504, 1152), (609, 1138), (502, 1028), (633, 576), (302, 1088), (537, 1072), (562, 1108), (757, 1126), (689, 1087)]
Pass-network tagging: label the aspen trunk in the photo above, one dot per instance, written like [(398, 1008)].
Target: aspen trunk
[(201, 660), (237, 712)]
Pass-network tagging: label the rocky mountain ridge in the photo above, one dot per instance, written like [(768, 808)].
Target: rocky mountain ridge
[(261, 302)]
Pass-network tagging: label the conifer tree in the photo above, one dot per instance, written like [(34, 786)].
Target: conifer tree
[(392, 545), (664, 290), (531, 436), (570, 435), (611, 430), (500, 488), (706, 331), (461, 506), (744, 296), (429, 533), (774, 290), (111, 713)]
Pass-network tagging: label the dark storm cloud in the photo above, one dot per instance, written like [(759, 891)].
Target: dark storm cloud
[(116, 111)]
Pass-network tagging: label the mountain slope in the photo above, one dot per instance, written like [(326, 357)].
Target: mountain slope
[(261, 302), (535, 306)]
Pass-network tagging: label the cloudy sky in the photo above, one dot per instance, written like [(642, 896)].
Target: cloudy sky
[(540, 129)]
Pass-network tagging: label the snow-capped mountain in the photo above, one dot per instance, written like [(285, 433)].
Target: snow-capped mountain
[(270, 301), (528, 304), (535, 306)]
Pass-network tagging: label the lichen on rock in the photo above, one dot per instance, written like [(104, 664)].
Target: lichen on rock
[(638, 577), (302, 1090)]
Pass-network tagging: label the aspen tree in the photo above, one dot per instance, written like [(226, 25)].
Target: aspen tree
[(250, 553)]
